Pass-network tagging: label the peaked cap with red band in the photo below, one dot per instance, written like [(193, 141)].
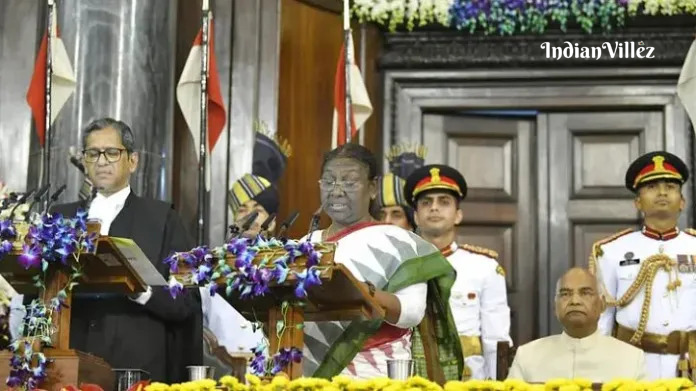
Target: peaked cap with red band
[(434, 177), (653, 166)]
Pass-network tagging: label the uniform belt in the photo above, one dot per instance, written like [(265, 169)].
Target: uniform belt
[(655, 343), (677, 342), (471, 345)]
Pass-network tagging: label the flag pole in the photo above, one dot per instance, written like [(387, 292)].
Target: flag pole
[(202, 154), (47, 107), (363, 66), (348, 45)]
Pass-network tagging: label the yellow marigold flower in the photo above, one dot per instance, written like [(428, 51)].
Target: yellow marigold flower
[(330, 387), (555, 384), (417, 381), (537, 387), (359, 385), (380, 383), (678, 384), (475, 385), (627, 386), (515, 385), (206, 384), (280, 381), (395, 385), (583, 383), (189, 386), (341, 381), (253, 380), (454, 385), (569, 387), (157, 387)]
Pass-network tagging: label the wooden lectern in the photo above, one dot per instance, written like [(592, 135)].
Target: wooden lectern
[(340, 297), (110, 269)]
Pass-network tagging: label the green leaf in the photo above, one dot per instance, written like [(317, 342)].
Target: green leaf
[(280, 326), (299, 326)]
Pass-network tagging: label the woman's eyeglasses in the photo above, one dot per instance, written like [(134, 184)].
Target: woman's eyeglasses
[(326, 184)]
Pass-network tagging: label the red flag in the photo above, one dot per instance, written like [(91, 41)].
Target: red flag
[(188, 93), (361, 107), (36, 97), (62, 80), (340, 100)]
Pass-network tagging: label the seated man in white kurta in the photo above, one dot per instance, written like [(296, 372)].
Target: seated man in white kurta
[(581, 351)]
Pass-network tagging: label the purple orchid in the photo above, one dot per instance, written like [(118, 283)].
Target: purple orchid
[(174, 287), (173, 262), (280, 271), (258, 363), (5, 247), (202, 274), (30, 256), (237, 246), (284, 357), (305, 280), (212, 288), (7, 230), (260, 280)]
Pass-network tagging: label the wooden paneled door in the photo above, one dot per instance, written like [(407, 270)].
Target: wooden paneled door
[(495, 157), (588, 154), (542, 190)]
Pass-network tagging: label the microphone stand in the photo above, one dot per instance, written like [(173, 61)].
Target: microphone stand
[(287, 224), (55, 196)]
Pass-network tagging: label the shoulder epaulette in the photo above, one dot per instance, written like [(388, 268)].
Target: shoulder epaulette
[(597, 247), (690, 231), (481, 251)]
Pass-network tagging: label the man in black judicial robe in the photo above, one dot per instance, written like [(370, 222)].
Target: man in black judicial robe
[(150, 331)]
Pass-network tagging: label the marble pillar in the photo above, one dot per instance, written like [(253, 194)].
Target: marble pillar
[(19, 35), (122, 52)]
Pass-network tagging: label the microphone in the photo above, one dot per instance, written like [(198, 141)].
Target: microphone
[(237, 231), (267, 222), (314, 223), (249, 221), (55, 196), (288, 223), (37, 197), (21, 201), (76, 162), (9, 200)]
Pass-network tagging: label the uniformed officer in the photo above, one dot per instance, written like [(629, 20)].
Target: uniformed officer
[(479, 297), (393, 207), (648, 274), (257, 191)]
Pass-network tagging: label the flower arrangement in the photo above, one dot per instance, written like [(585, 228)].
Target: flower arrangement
[(506, 17), (258, 263), (48, 240), (342, 383)]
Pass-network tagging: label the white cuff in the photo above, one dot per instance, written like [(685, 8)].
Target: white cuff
[(143, 298), (413, 302)]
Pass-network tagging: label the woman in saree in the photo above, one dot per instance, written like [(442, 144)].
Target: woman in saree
[(404, 273)]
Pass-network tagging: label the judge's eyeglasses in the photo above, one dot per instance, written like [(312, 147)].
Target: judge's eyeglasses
[(112, 155)]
